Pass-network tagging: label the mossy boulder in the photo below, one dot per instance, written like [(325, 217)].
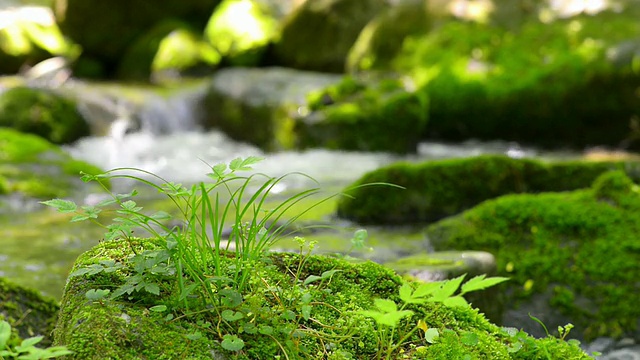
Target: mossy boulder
[(36, 168), (105, 30), (29, 35), (547, 80), (42, 112), (131, 328), (367, 115), (318, 34), (255, 105), (572, 256), (437, 189), (28, 312)]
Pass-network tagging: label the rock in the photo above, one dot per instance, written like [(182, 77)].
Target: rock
[(105, 30), (631, 353), (570, 255), (254, 105), (30, 313), (42, 112), (436, 189), (318, 34), (36, 168), (262, 323), (366, 115)]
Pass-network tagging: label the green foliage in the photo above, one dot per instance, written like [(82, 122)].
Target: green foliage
[(388, 317), (27, 349)]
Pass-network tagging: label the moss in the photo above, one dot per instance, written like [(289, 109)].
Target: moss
[(43, 113), (574, 243), (436, 189), (331, 25), (33, 166), (28, 312), (551, 84), (126, 329), (379, 115)]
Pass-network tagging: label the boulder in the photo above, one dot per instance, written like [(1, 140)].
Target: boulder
[(36, 168), (571, 256), (27, 311), (437, 189), (255, 105), (364, 114), (105, 30), (281, 314), (317, 35), (42, 112)]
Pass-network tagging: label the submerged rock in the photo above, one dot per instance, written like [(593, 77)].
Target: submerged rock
[(281, 314), (572, 256), (436, 189)]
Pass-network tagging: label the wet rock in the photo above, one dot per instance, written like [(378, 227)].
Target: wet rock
[(551, 247), (437, 189), (255, 105)]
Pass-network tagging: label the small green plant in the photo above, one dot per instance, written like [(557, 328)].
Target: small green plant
[(388, 316), (27, 349), (212, 263)]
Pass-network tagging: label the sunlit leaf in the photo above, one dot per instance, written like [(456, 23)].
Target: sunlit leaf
[(63, 206), (431, 335), (232, 343), (231, 315), (480, 283)]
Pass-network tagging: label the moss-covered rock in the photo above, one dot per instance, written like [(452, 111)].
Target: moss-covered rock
[(131, 329), (42, 112), (29, 313), (436, 189), (254, 105), (544, 79), (105, 30), (372, 115), (36, 168), (318, 34), (29, 35), (573, 256)]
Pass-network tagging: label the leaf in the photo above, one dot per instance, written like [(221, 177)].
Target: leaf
[(218, 171), (27, 343), (425, 290), (232, 343), (328, 274), (469, 338), (230, 298), (158, 308), (385, 305), (239, 164), (152, 288), (97, 294), (5, 333), (405, 293), (63, 206), (431, 335), (510, 331), (161, 215), (231, 315), (515, 347), (393, 318), (265, 330), (359, 238), (194, 336), (447, 289), (306, 311), (311, 278), (480, 283), (455, 301)]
